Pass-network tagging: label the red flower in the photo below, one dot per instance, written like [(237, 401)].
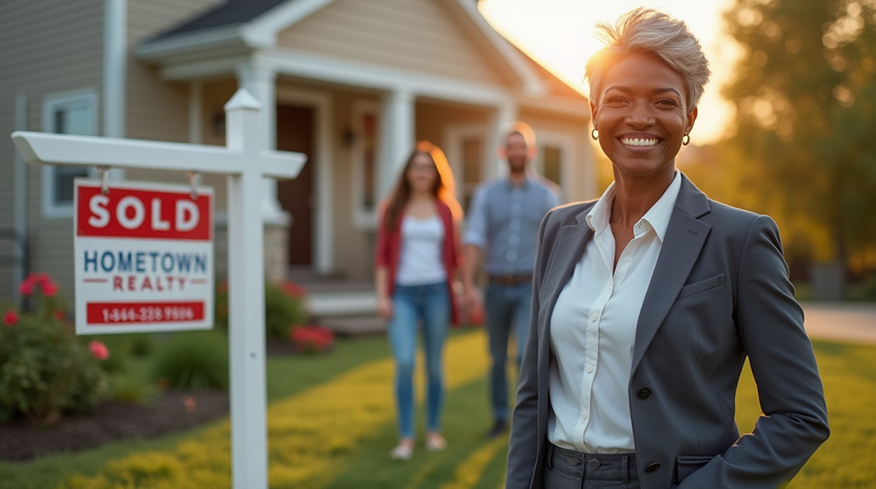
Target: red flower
[(59, 315), (293, 289), (10, 318), (312, 339), (49, 288), (98, 350)]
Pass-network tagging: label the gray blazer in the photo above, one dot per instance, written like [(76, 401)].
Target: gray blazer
[(719, 294)]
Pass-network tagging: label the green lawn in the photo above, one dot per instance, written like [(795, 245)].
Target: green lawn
[(343, 453)]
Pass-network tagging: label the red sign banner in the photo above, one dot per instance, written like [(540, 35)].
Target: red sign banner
[(143, 214)]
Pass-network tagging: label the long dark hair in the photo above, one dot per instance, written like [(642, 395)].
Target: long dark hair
[(443, 189)]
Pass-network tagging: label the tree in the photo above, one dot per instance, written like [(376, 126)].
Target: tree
[(805, 94)]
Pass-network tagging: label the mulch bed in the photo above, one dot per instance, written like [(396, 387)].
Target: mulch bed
[(111, 421), (118, 421)]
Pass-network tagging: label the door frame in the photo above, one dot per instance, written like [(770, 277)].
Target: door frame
[(320, 101)]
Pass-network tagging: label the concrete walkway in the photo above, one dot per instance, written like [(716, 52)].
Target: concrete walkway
[(851, 322)]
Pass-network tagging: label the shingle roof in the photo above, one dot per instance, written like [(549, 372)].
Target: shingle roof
[(231, 12)]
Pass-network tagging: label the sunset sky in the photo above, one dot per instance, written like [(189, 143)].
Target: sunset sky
[(560, 34)]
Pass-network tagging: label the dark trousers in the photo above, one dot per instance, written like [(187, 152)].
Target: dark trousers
[(568, 469)]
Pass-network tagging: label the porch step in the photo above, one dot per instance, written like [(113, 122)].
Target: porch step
[(347, 308), (355, 326)]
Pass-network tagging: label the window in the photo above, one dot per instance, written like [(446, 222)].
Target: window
[(466, 150), (556, 156), (551, 157), (365, 157), (66, 113)]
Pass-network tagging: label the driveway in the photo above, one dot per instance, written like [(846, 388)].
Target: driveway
[(851, 322)]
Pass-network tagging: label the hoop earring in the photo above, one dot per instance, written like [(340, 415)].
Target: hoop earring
[(685, 140), (594, 134)]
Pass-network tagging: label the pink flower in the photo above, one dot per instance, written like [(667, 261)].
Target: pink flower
[(26, 287), (49, 288), (190, 403), (59, 315), (98, 350), (10, 318)]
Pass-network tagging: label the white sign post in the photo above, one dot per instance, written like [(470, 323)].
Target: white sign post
[(143, 257), (246, 161)]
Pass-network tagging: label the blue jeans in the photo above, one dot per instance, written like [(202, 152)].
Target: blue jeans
[(507, 307), (411, 304)]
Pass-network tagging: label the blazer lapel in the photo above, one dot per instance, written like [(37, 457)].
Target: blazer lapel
[(681, 249), (567, 252)]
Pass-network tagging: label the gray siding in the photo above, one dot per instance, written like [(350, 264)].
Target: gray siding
[(46, 47)]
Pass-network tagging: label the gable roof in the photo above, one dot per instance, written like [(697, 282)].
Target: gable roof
[(248, 20)]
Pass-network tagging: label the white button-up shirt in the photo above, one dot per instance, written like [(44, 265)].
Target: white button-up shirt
[(593, 331)]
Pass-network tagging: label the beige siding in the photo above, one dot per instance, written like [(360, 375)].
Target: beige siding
[(583, 163), (156, 109), (420, 36), (46, 47), (354, 247)]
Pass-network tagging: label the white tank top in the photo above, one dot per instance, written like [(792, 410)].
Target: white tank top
[(421, 261)]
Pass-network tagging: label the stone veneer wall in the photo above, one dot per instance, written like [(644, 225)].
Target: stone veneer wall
[(276, 250)]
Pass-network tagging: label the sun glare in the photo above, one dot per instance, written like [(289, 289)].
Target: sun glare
[(560, 35)]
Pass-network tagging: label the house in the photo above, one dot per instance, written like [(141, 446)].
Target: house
[(351, 83)]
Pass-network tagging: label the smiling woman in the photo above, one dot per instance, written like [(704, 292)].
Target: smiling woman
[(647, 302)]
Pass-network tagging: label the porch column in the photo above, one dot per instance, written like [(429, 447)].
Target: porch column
[(261, 82), (396, 136), (503, 118)]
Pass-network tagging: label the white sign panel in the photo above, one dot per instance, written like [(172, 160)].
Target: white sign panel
[(144, 258)]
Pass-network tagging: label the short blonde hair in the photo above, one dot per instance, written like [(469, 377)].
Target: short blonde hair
[(649, 32)]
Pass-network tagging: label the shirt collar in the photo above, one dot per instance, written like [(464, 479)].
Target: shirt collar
[(657, 216), (523, 184)]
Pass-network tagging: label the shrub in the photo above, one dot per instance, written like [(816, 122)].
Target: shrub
[(127, 387), (195, 360), (284, 307), (44, 369), (142, 345)]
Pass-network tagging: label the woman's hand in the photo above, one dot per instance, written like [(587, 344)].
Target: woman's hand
[(384, 307)]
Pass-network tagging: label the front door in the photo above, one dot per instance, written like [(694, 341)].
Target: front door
[(295, 133)]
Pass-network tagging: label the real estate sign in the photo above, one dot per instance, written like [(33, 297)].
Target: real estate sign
[(143, 257)]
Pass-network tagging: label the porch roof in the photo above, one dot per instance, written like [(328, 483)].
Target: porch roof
[(234, 21)]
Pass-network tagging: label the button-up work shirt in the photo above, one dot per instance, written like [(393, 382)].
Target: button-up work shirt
[(593, 331), (503, 221)]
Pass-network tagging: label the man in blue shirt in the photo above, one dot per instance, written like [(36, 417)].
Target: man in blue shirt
[(502, 230)]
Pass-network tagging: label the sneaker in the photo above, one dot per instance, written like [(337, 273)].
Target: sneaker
[(435, 442), (402, 451), (497, 430)]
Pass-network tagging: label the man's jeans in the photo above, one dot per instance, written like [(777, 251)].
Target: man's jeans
[(412, 303), (507, 307)]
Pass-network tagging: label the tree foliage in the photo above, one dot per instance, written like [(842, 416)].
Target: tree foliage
[(805, 97)]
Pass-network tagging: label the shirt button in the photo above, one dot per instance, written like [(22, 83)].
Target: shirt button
[(589, 368), (610, 286), (594, 317), (584, 416)]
